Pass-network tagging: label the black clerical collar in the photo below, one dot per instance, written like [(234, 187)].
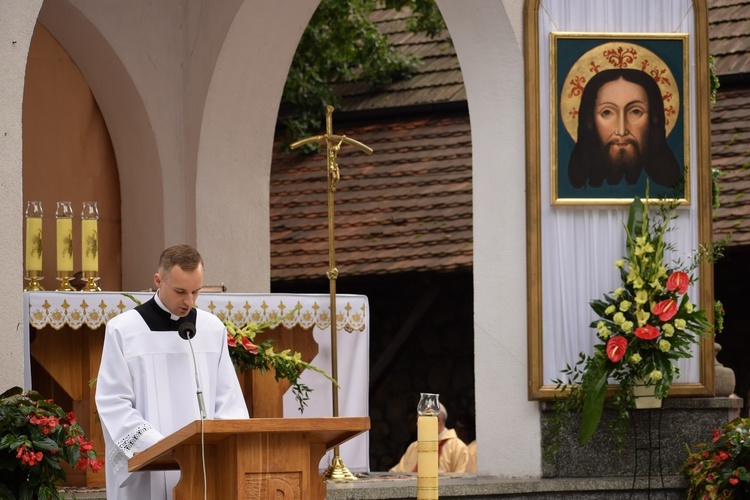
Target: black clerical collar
[(160, 320)]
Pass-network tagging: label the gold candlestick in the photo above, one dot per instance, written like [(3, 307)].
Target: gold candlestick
[(427, 446), (336, 471), (90, 246), (64, 226), (34, 246)]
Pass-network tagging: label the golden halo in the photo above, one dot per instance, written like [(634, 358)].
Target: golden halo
[(615, 55)]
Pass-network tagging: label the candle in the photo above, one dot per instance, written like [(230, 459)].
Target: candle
[(64, 238), (89, 245), (90, 239), (33, 243), (34, 237), (428, 409)]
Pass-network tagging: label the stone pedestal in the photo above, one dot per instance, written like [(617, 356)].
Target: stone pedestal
[(679, 424)]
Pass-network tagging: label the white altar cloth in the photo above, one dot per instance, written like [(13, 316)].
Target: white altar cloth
[(94, 309)]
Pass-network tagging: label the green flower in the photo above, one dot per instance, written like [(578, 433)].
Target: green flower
[(668, 329), (609, 310), (627, 326), (638, 283), (604, 333), (625, 305), (655, 375), (642, 317), (680, 323), (664, 346), (689, 307), (618, 292), (634, 359), (619, 263), (618, 318), (641, 297)]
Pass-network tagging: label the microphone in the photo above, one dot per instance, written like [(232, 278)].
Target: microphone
[(187, 331)]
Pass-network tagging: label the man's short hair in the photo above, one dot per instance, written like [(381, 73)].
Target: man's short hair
[(184, 256), (587, 163)]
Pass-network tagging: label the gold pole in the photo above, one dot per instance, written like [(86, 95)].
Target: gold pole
[(337, 471)]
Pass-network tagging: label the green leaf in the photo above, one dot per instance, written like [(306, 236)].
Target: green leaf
[(593, 405)]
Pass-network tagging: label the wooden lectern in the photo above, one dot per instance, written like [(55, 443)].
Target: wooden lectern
[(258, 459)]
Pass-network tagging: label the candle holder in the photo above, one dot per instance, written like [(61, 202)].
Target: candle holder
[(64, 226), (428, 409), (90, 246), (34, 246)]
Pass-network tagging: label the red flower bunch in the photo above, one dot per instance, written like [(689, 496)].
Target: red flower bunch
[(719, 469), (35, 434)]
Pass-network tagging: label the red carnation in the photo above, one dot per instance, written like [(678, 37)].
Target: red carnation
[(647, 332), (679, 281), (616, 347), (666, 309)]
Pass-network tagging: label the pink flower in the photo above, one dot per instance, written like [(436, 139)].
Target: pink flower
[(666, 309), (734, 480), (616, 347), (679, 281), (647, 332), (249, 346)]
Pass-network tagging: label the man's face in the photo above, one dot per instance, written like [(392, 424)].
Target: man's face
[(178, 288), (621, 118)]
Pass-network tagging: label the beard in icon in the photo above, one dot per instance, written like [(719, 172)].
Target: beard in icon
[(622, 158)]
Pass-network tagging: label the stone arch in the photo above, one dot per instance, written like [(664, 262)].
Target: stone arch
[(130, 130)]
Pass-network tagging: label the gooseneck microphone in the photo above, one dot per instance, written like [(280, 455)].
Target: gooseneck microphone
[(187, 331)]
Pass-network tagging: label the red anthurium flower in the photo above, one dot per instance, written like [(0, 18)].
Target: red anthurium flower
[(231, 341), (647, 332), (679, 281), (616, 347), (666, 309)]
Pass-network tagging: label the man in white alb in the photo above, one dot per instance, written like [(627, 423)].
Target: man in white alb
[(146, 385)]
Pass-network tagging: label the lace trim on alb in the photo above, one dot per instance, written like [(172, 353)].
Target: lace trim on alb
[(122, 452)]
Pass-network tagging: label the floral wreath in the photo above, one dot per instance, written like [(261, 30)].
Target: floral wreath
[(617, 55)]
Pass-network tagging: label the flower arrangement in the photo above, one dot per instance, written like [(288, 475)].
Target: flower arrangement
[(34, 435), (719, 469), (246, 354), (643, 327)]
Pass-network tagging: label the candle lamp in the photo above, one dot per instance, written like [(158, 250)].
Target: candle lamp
[(427, 446), (90, 246), (64, 226), (34, 247)]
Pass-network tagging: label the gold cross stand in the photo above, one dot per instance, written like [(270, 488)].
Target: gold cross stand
[(337, 471)]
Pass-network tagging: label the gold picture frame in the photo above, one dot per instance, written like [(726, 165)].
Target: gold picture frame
[(635, 141)]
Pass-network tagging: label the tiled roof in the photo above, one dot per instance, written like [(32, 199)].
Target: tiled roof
[(407, 207), (729, 33), (730, 151)]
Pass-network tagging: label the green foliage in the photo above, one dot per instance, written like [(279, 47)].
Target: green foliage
[(341, 44), (35, 434), (714, 80), (247, 355)]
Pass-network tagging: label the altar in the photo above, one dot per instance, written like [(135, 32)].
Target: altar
[(64, 334)]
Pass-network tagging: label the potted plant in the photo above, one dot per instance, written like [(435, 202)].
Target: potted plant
[(719, 468), (644, 327), (35, 434)]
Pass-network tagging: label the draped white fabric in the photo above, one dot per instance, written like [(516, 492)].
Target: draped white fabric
[(580, 244)]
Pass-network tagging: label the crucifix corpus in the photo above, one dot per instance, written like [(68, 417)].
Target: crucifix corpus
[(337, 471)]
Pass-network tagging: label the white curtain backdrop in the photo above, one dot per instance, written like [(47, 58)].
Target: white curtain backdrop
[(580, 244)]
